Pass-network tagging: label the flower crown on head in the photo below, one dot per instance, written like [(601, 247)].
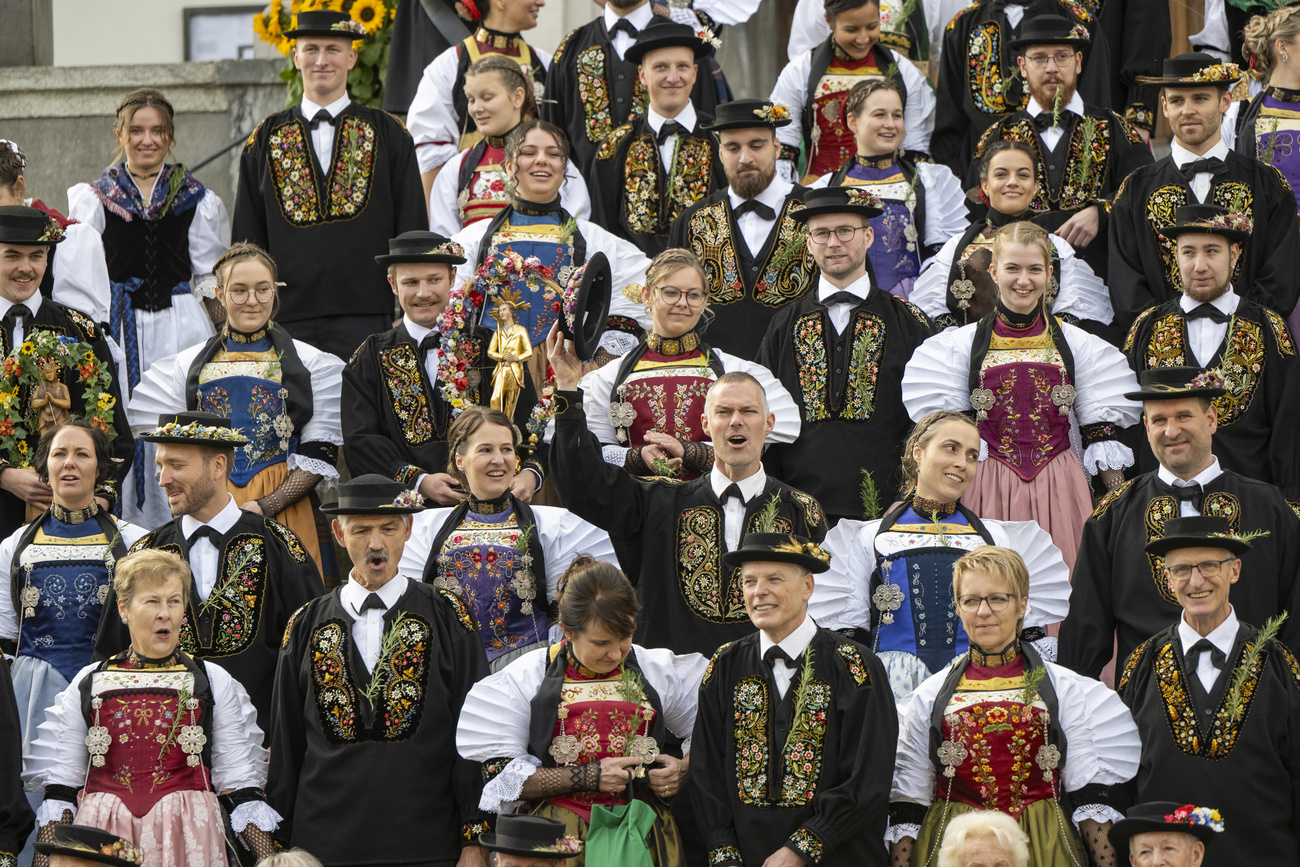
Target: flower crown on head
[(350, 26), (1190, 814), (808, 549), (777, 111), (447, 248), (708, 37), (1212, 378), (1080, 32), (1218, 72)]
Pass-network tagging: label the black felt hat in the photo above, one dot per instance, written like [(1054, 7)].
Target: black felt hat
[(421, 246), (28, 227), (591, 302), (778, 548), (747, 113), (839, 200), (1175, 383), (531, 837), (666, 34), (373, 494), (1197, 531), (1051, 30), (1194, 69), (196, 429), (1209, 220), (90, 844), (326, 22), (1158, 817)]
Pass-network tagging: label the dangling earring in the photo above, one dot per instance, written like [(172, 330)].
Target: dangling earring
[(1285, 58)]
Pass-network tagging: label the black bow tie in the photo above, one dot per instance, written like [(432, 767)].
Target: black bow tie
[(624, 26), (1213, 165), (732, 490), (1192, 493), (670, 127), (206, 532), (319, 118), (755, 206), (1207, 311), (841, 298), (373, 601), (774, 653), (1217, 657), (428, 344), (16, 312), (1043, 120)]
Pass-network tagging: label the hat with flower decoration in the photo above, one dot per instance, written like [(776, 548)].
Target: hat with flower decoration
[(1161, 817), (196, 429), (1199, 531), (748, 113), (90, 844), (1209, 220), (668, 34), (373, 494), (321, 23), (1051, 30), (1194, 69), (839, 200), (1176, 383), (421, 246), (28, 227), (531, 837), (778, 548)]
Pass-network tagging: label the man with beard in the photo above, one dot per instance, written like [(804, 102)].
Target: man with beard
[(1084, 151), (1200, 169), (751, 245), (840, 352), (250, 573), (1119, 589), (1210, 325)]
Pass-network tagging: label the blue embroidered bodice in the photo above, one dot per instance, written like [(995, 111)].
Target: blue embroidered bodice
[(242, 382), (895, 252), (533, 235)]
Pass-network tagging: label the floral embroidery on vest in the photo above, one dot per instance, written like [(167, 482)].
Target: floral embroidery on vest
[(236, 599), (708, 671), (353, 167), (1217, 504), (641, 202), (458, 606), (854, 663), (401, 369), (802, 755), (867, 344), (593, 90), (1131, 665), (1242, 362), (1110, 498), (711, 239), (750, 733), (812, 510), (1166, 346), (332, 683), (1285, 345), (291, 172), (699, 567), (1181, 712), (290, 539), (1132, 332), (401, 702), (984, 74)]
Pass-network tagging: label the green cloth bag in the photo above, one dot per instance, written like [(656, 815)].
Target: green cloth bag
[(617, 835)]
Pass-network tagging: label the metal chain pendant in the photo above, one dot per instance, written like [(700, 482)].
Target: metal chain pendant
[(982, 400), (1063, 396), (1049, 756), (888, 598), (951, 754), (525, 587), (30, 597), (98, 739), (621, 415), (192, 740)]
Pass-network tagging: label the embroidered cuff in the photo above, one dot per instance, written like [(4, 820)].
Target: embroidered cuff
[(470, 830), (1138, 114), (108, 490), (1106, 455), (407, 475), (807, 844), (624, 324), (259, 814), (724, 856), (897, 832), (1095, 433), (789, 152), (508, 784), (568, 404), (616, 455), (324, 452)]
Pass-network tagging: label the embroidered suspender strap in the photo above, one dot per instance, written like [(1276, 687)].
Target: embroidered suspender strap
[(984, 337), (294, 376)]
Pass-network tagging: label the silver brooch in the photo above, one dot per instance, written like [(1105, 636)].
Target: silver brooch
[(982, 400), (888, 599), (951, 754), (192, 740), (1063, 396), (97, 743), (1048, 758)]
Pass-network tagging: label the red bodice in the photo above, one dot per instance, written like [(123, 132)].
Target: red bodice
[(667, 392), (832, 141), (486, 194)]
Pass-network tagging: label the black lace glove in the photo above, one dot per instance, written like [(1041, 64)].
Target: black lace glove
[(291, 490)]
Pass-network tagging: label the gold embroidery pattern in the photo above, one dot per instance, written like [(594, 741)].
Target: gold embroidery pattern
[(711, 239), (1289, 658), (1111, 497), (460, 609), (1076, 190), (699, 567), (290, 540), (1281, 333), (641, 203), (402, 696), (855, 664), (1242, 365), (332, 683), (293, 621), (708, 671), (236, 599), (1161, 208), (612, 141), (1166, 346), (291, 172), (750, 733), (1137, 323), (802, 755), (645, 179), (1180, 712), (353, 168), (593, 91), (985, 78), (1131, 664), (401, 370), (865, 349), (812, 510)]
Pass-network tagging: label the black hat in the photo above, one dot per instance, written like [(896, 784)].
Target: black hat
[(666, 34), (591, 300), (531, 837), (1197, 531), (747, 113), (839, 200), (373, 494), (1195, 69), (28, 227), (1175, 383), (326, 22), (1209, 220), (1051, 30), (778, 548), (421, 246), (197, 429), (90, 844), (1164, 816)]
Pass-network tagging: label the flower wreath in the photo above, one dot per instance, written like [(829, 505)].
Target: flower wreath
[(774, 113), (350, 26), (568, 845), (1211, 378), (1218, 72), (858, 196), (22, 369), (1080, 33), (1190, 814), (1232, 221), (808, 549), (709, 38)]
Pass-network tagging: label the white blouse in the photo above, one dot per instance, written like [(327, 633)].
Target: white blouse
[(444, 196), (495, 718)]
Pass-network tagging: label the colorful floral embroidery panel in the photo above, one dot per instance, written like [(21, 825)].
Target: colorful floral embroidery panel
[(867, 343), (236, 600), (332, 683), (699, 568), (406, 393), (985, 76), (808, 845), (854, 664), (801, 757), (292, 173), (712, 240), (718, 856), (750, 734), (593, 91), (1180, 711), (354, 164)]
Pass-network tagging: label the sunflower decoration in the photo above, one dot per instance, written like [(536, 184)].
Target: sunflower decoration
[(371, 23), (370, 14)]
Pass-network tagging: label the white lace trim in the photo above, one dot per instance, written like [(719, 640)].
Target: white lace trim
[(618, 342), (509, 784), (984, 450), (1107, 455), (898, 832), (205, 288), (257, 813), (1046, 647), (616, 455), (1097, 812), (320, 468), (52, 811)]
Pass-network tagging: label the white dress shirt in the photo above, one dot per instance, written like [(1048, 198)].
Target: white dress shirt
[(733, 510), (668, 147), (1204, 335), (638, 18), (1203, 478), (368, 628), (840, 312), (1052, 135), (1201, 181), (20, 327), (1222, 636), (753, 228), (322, 138), (204, 558), (794, 645), (1015, 13)]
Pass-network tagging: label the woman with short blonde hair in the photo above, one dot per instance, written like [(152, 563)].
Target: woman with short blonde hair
[(984, 825)]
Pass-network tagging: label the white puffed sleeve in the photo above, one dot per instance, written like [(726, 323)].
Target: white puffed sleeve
[(574, 196), (935, 377), (494, 724), (930, 291), (1102, 741), (444, 198), (1049, 577), (1102, 377), (81, 272), (85, 206), (432, 119), (469, 239), (779, 401), (8, 614), (239, 761), (676, 677), (1083, 293), (564, 536), (58, 754), (627, 265), (209, 238), (808, 28), (790, 89), (424, 528), (161, 390), (921, 104), (597, 389), (723, 11), (821, 182), (945, 204), (325, 425), (913, 773), (1228, 127), (840, 598)]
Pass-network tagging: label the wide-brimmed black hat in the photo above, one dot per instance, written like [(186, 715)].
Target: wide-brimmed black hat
[(421, 246), (1194, 69), (1209, 220), (747, 113), (839, 200), (591, 306), (197, 429), (90, 844), (373, 494), (1176, 383), (778, 548), (1051, 30), (531, 837), (28, 227), (666, 34), (1157, 817), (1198, 531), (326, 22)]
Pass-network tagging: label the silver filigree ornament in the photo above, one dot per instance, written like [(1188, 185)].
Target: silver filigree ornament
[(30, 597), (621, 415), (283, 425), (888, 598), (564, 747), (982, 400), (1063, 397), (951, 754), (98, 741), (192, 740), (525, 587), (1048, 757)]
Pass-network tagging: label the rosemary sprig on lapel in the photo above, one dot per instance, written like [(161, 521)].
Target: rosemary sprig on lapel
[(630, 686), (233, 568), (387, 646), (1266, 148), (109, 559), (909, 198), (798, 246), (1057, 103), (1235, 705), (175, 180), (706, 363), (802, 695), (899, 16), (891, 72), (521, 543), (938, 525), (858, 365), (568, 230), (661, 467), (1033, 678), (869, 495), (1090, 127), (170, 737), (765, 521)]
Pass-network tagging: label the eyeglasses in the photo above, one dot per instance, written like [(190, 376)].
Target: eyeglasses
[(695, 298), (1061, 58), (971, 603), (1208, 569), (843, 233), (240, 295)]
